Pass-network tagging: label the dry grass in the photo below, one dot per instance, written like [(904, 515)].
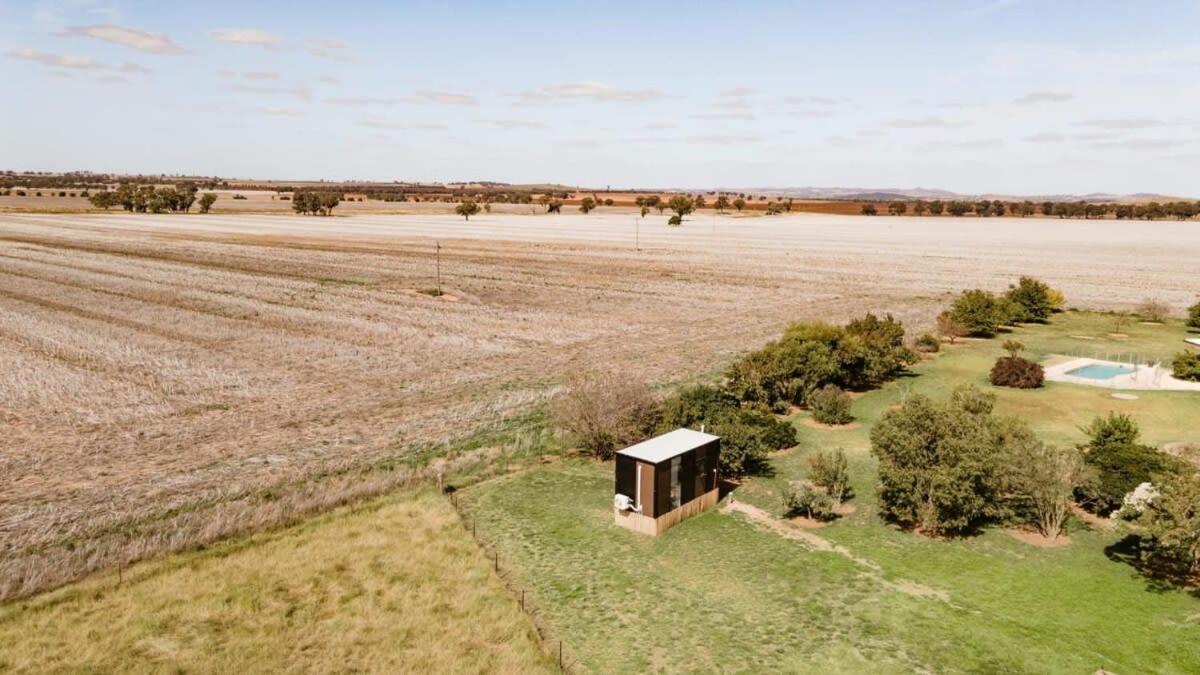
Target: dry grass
[(167, 380), (393, 586)]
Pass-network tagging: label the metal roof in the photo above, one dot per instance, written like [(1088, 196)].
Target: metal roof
[(668, 445)]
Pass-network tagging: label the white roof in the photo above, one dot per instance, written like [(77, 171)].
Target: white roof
[(1195, 342), (670, 444)]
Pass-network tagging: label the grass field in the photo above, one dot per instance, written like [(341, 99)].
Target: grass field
[(722, 592), (396, 585)]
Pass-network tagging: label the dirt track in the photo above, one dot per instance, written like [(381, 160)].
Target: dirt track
[(151, 362)]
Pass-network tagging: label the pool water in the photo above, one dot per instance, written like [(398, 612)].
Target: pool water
[(1100, 371)]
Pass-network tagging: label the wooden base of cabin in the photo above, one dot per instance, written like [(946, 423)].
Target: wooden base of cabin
[(656, 526)]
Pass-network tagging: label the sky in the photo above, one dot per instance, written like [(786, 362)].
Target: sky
[(975, 96)]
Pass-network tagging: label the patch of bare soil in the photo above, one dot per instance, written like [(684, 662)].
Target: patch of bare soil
[(1099, 522), (1038, 539), (810, 422)]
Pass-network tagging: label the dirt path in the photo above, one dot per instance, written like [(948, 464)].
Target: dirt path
[(818, 543)]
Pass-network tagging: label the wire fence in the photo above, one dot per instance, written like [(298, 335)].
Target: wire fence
[(1132, 358), (552, 645)]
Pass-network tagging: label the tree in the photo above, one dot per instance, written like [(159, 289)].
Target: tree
[(554, 206), (1173, 522), (1119, 461), (1193, 316), (655, 202), (467, 208), (1014, 371), (721, 204), (897, 208), (746, 435), (980, 312), (829, 470), (739, 204), (936, 207), (681, 205), (103, 199), (802, 499), (206, 201), (698, 202), (1186, 366), (940, 463), (830, 405), (1044, 480), (958, 208), (1033, 299), (327, 201), (869, 210), (1153, 310), (587, 204), (605, 412), (920, 208), (645, 210)]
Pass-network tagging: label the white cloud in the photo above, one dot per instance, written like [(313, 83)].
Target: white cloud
[(595, 91), (745, 116), (1043, 97), (247, 36), (736, 92), (1048, 137), (439, 97), (447, 98), (813, 100), (298, 90), (73, 62), (332, 49), (516, 124), (282, 112), (1126, 123), (922, 123), (154, 43)]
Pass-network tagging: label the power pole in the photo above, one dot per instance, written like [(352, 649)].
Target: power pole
[(438, 254)]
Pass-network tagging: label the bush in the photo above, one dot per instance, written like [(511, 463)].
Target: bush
[(1043, 483), (675, 220), (830, 405), (1119, 461), (865, 353), (1033, 300), (1186, 366), (606, 412), (1173, 522), (746, 435), (981, 313), (829, 470), (1153, 310), (1193, 320), (803, 499), (941, 464), (1018, 372), (869, 210), (928, 343)]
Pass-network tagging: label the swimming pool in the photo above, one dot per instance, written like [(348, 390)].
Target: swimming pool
[(1100, 371)]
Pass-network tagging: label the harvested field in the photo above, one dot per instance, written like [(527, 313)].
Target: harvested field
[(158, 368)]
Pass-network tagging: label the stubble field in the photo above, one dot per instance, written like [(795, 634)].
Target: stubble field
[(165, 380)]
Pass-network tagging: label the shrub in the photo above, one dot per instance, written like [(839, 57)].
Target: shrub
[(829, 470), (1119, 461), (1186, 366), (802, 499), (746, 435), (1014, 371), (941, 464), (980, 312), (605, 412), (928, 343), (1193, 320), (830, 405), (1173, 522), (951, 328), (869, 210), (1153, 310), (675, 220), (1033, 300), (1043, 483)]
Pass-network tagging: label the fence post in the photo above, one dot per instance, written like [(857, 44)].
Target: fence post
[(560, 659)]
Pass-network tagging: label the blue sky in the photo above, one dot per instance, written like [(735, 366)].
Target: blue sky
[(989, 95)]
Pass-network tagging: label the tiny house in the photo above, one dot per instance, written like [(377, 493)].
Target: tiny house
[(663, 480)]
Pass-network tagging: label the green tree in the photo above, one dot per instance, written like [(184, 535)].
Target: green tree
[(897, 208), (940, 463), (1193, 316), (936, 207), (1033, 299), (980, 312), (467, 208), (739, 204), (327, 202), (587, 204), (721, 204), (920, 208), (1044, 481), (103, 199), (830, 471), (1120, 462), (1173, 522), (682, 205), (206, 201), (1186, 366), (868, 210), (746, 435)]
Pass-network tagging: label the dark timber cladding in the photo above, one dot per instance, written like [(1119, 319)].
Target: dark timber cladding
[(667, 472)]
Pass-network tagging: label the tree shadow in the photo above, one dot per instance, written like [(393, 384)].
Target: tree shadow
[(1160, 576)]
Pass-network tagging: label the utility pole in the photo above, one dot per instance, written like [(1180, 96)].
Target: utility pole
[(438, 254)]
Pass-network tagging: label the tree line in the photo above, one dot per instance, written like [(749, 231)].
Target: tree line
[(1180, 210), (315, 203), (138, 198)]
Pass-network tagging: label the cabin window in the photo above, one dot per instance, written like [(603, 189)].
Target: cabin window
[(676, 491), (637, 498), (701, 470)]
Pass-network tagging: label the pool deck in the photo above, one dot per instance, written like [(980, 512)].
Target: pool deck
[(1143, 378)]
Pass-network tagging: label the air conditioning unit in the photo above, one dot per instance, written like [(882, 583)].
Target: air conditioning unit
[(623, 503)]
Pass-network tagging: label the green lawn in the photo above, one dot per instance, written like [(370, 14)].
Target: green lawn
[(720, 593)]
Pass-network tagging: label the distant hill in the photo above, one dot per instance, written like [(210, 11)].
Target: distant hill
[(893, 194)]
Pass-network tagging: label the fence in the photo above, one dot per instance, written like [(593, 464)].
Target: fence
[(552, 645), (1132, 358)]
